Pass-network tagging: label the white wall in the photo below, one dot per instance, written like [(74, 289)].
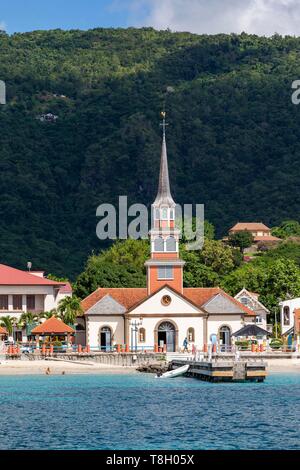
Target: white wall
[(45, 298), (216, 321), (292, 304), (182, 323), (154, 305), (94, 323)]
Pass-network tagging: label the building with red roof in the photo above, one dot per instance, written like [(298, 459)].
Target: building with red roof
[(164, 313), (260, 232), (28, 291)]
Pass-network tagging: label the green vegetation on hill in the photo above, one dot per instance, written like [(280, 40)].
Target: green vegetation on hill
[(233, 135)]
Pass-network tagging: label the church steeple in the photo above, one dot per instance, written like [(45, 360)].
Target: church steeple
[(164, 193), (164, 267)]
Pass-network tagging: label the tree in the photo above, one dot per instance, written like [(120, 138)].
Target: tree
[(8, 323), (27, 319), (288, 228), (127, 253), (242, 240), (217, 256), (51, 313), (69, 309), (103, 274), (196, 274), (273, 280)]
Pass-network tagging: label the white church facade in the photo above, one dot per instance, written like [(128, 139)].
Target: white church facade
[(163, 314)]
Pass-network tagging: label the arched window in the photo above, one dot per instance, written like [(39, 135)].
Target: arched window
[(286, 315), (142, 335), (191, 335), (159, 244), (172, 214), (105, 338), (157, 214), (224, 335), (164, 213), (171, 244), (244, 300)]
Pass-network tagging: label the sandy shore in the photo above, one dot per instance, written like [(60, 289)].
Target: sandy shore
[(283, 366), (17, 367), (11, 367)]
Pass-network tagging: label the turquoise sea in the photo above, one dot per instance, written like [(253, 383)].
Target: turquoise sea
[(138, 412)]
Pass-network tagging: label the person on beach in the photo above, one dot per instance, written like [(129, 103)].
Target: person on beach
[(48, 371), (185, 345)]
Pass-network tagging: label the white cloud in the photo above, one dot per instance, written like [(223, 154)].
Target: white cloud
[(262, 17), (2, 26)]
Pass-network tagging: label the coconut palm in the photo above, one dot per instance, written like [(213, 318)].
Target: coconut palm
[(8, 323), (69, 308), (49, 314), (28, 318)]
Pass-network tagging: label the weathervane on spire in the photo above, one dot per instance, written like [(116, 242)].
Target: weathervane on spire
[(164, 124)]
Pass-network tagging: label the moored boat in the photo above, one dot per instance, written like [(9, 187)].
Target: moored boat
[(173, 373)]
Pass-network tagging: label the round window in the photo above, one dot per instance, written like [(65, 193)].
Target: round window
[(166, 300)]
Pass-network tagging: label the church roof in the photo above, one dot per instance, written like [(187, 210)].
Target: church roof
[(164, 193), (131, 296), (127, 296)]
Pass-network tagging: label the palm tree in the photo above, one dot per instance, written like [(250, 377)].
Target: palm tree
[(69, 308), (28, 318), (8, 323), (49, 314)]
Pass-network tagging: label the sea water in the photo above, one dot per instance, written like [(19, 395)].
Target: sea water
[(136, 411)]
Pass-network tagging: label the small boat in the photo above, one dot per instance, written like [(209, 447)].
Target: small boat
[(173, 373)]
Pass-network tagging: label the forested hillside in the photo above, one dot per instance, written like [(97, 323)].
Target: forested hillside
[(233, 135)]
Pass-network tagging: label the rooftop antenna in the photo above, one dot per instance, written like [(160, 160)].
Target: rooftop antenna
[(29, 265)]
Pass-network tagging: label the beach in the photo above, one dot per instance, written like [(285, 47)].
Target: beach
[(58, 367), (39, 367)]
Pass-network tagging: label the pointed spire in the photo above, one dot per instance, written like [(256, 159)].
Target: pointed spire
[(164, 194)]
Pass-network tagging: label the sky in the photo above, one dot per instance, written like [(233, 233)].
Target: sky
[(262, 17)]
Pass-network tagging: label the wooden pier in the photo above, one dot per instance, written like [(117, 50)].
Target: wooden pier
[(223, 370)]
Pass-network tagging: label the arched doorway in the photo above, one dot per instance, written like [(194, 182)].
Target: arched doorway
[(166, 335), (105, 338), (225, 335)]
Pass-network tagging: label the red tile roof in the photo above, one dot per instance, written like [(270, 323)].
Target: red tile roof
[(249, 226), (12, 276), (129, 297), (3, 331), (52, 326), (125, 296), (66, 289), (201, 295)]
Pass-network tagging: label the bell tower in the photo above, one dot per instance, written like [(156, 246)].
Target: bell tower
[(164, 267)]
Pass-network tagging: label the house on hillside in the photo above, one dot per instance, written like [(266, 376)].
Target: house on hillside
[(164, 313), (260, 232), (23, 291)]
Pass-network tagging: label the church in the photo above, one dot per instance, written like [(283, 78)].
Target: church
[(165, 314)]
